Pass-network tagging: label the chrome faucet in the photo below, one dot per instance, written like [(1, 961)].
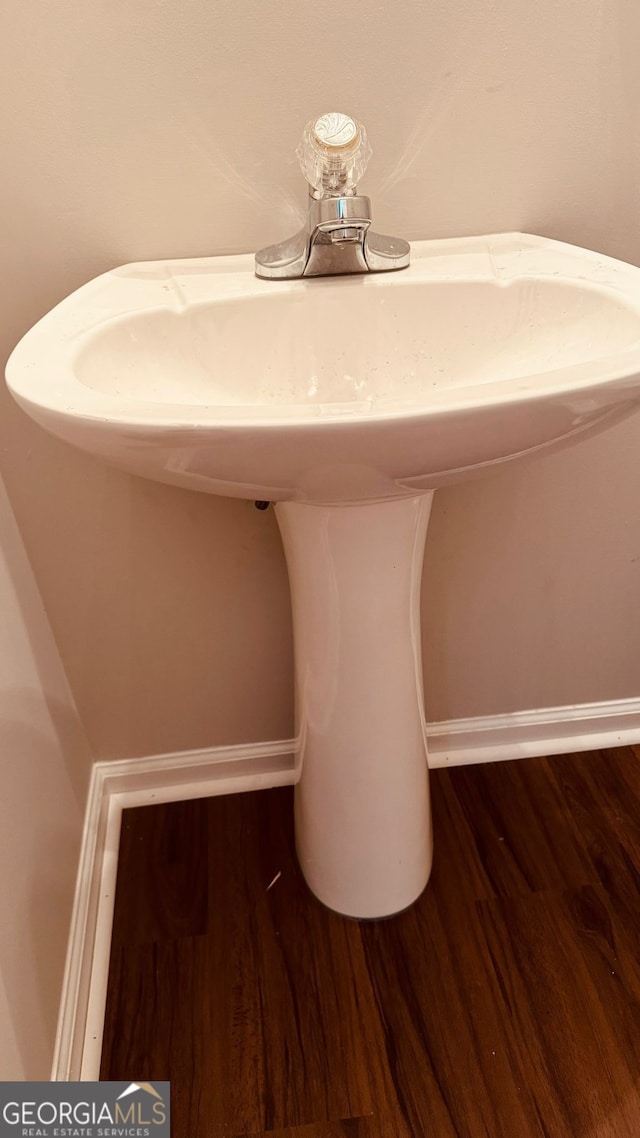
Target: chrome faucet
[(337, 237)]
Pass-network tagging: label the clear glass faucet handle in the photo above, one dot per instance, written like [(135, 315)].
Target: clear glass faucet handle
[(333, 154)]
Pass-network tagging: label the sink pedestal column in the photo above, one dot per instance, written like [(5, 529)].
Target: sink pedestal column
[(362, 813)]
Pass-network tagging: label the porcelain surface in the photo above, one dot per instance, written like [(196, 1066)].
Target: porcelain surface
[(196, 373)]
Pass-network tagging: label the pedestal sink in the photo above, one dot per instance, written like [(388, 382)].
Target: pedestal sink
[(347, 402)]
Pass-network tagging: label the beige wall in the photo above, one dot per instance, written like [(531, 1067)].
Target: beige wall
[(44, 769), (143, 128)]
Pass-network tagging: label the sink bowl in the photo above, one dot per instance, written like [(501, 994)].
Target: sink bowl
[(347, 402), (337, 389)]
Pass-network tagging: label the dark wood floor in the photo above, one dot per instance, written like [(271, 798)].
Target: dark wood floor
[(504, 1004)]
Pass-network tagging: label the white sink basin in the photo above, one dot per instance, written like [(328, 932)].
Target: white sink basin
[(347, 401), (337, 389)]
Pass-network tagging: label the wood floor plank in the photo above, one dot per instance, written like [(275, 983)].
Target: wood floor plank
[(161, 892), (573, 1015), (453, 1066), (298, 973), (601, 791), (456, 860), (516, 816), (346, 1128)]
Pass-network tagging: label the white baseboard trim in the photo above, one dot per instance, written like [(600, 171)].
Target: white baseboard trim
[(118, 785), (543, 731)]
